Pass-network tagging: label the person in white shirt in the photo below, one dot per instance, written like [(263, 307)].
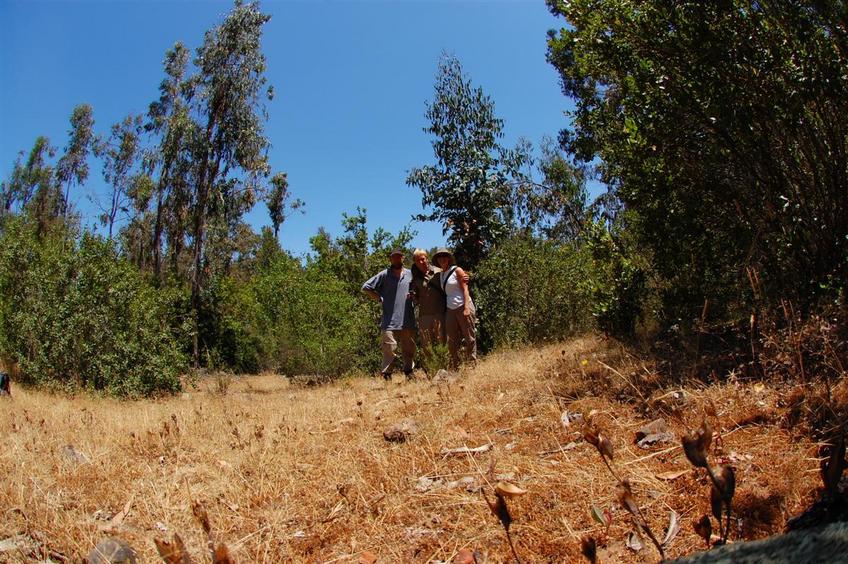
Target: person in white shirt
[(460, 319)]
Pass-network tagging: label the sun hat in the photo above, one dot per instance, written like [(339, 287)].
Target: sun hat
[(442, 252)]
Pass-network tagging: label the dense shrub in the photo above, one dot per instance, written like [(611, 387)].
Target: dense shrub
[(617, 280), (78, 316), (530, 291), (291, 319)]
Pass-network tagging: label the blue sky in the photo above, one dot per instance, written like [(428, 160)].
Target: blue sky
[(351, 77)]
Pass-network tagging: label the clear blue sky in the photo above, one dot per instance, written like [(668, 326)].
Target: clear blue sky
[(351, 78)]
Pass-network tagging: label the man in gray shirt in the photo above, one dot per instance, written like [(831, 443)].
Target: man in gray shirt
[(391, 288)]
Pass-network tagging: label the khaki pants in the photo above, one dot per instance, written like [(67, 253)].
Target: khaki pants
[(458, 327), (390, 340), (431, 329)]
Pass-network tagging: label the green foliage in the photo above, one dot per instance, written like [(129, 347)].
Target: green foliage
[(277, 201), (73, 166), (557, 207), (354, 257), (617, 280), (119, 154), (287, 318), (469, 188), (312, 324), (722, 127), (435, 359), (530, 290), (278, 314), (81, 317)]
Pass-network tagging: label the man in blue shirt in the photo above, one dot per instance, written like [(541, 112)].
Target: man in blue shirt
[(391, 288)]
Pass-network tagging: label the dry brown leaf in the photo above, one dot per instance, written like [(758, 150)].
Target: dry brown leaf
[(173, 552), (726, 481), (589, 549), (466, 450), (703, 528), (696, 445), (464, 556), (221, 555), (202, 517), (605, 447), (673, 528), (508, 489), (590, 433), (499, 509), (671, 475), (716, 503), (119, 517), (367, 558)]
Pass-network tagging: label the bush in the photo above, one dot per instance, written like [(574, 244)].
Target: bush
[(294, 320), (532, 291), (78, 316), (617, 281)]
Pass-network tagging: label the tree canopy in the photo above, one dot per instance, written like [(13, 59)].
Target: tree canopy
[(722, 128)]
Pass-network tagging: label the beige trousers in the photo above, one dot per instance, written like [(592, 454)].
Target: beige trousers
[(390, 340), (458, 327)]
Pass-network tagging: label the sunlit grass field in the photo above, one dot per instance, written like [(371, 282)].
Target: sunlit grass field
[(290, 472)]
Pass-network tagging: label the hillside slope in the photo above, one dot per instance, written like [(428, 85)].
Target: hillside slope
[(304, 474)]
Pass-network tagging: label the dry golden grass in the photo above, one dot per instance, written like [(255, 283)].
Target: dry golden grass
[(303, 474)]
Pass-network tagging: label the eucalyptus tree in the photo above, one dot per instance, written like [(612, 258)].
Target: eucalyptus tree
[(355, 255), (228, 147), (469, 188), (28, 178), (168, 118), (10, 189), (120, 154), (279, 207), (722, 127), (73, 165), (556, 206), (32, 188)]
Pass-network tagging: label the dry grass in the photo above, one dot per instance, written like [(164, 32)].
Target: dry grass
[(296, 473)]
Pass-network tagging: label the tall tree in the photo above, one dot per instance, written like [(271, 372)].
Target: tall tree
[(73, 165), (722, 127), (30, 177), (228, 147), (169, 119), (32, 188), (119, 155), (279, 207), (469, 187), (556, 205)]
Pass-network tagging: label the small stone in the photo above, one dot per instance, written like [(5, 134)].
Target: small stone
[(653, 433), (112, 551), (400, 432), (446, 376), (73, 456)]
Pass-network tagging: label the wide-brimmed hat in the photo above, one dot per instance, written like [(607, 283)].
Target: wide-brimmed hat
[(443, 252)]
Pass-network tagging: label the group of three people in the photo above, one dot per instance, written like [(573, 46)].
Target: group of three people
[(446, 313)]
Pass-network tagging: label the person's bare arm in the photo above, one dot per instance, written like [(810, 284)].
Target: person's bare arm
[(372, 294), (462, 278)]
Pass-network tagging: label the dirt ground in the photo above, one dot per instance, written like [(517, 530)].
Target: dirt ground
[(291, 472)]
